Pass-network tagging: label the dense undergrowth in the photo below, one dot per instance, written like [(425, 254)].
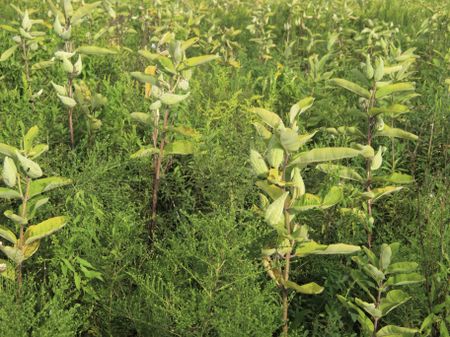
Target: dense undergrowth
[(200, 272)]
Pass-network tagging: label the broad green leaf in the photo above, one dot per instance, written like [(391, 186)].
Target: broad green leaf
[(403, 279), (43, 185), (268, 117), (13, 253), (31, 169), (7, 193), (324, 154), (377, 160), (258, 163), (144, 78), (390, 132), (30, 249), (83, 11), (300, 107), (392, 110), (363, 282), (44, 229), (338, 248), (60, 90), (303, 139), (311, 288), (385, 256), (171, 99), (29, 138), (353, 87), (272, 191), (37, 150), (67, 101), (310, 247), (274, 213), (9, 172), (402, 267), (142, 117), (289, 139), (341, 171), (379, 69), (93, 50), (198, 60), (376, 274), (377, 193), (34, 205), (369, 308), (181, 147), (15, 218), (297, 183), (275, 154), (334, 195), (145, 152), (167, 64), (394, 88), (8, 150), (366, 323), (6, 234), (396, 331), (8, 53), (262, 131), (306, 202), (393, 299), (395, 178)]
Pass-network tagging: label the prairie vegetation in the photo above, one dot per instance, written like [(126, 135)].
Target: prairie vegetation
[(224, 168)]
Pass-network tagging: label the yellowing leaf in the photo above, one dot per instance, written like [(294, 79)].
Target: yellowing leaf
[(44, 229), (198, 60)]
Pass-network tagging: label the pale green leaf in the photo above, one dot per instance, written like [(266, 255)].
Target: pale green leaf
[(43, 185), (274, 213), (341, 171), (394, 88), (31, 169), (324, 154), (311, 288), (7, 193), (44, 229), (268, 117), (198, 60), (7, 234), (9, 172), (93, 50), (171, 99), (353, 87)]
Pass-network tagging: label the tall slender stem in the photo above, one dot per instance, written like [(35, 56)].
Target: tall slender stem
[(157, 173), (370, 123), (23, 214), (287, 258)]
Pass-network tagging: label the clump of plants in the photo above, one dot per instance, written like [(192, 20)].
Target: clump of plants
[(167, 84), (284, 197), (25, 184)]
